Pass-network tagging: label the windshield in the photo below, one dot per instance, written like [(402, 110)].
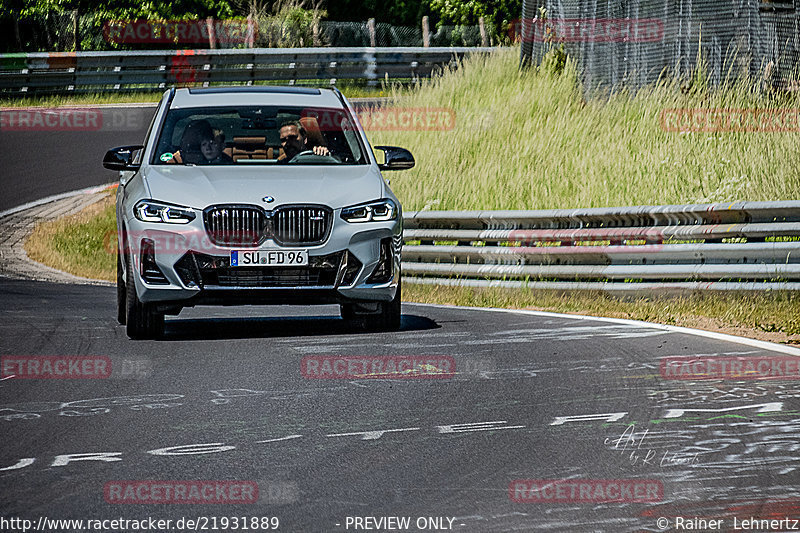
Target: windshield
[(259, 135)]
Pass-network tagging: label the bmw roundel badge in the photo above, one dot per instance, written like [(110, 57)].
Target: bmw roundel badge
[(268, 199)]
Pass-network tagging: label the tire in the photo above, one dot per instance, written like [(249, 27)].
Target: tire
[(142, 320), (386, 319), (121, 293), (348, 312)]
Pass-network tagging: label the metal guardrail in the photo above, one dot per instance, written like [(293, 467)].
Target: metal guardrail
[(731, 246), (75, 72)]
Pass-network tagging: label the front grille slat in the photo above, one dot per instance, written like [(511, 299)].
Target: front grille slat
[(235, 225), (301, 225), (291, 225)]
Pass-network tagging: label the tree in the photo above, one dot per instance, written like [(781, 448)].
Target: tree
[(499, 13)]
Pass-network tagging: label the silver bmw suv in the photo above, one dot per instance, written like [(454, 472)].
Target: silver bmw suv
[(256, 195)]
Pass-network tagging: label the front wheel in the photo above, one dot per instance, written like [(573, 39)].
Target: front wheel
[(387, 317), (121, 293), (142, 319)]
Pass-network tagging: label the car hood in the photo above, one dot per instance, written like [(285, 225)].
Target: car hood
[(199, 187)]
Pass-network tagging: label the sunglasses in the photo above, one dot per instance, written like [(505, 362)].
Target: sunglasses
[(288, 138)]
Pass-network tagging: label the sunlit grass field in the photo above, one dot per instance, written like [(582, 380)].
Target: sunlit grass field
[(528, 139)]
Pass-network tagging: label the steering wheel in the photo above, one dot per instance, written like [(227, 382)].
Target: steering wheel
[(329, 157)]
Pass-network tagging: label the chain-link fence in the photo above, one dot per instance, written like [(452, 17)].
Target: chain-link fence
[(632, 43), (60, 32), (341, 34)]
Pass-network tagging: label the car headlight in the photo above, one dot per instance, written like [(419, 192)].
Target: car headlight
[(379, 211), (150, 211)]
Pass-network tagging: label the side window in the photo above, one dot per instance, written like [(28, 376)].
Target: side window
[(138, 157), (352, 139), (150, 128)]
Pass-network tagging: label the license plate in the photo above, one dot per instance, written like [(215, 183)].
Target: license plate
[(241, 258)]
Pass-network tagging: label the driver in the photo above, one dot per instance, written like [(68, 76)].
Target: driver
[(294, 141)]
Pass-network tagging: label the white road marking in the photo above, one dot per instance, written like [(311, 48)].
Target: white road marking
[(290, 437), (771, 346), (371, 435)]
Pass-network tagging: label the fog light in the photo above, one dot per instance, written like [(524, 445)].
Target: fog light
[(383, 271), (150, 271)]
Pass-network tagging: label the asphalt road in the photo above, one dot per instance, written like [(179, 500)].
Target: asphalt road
[(223, 397), (39, 160)]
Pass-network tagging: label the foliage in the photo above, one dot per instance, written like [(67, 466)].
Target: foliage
[(397, 12), (292, 25), (499, 14)]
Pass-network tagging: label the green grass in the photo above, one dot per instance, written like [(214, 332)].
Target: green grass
[(82, 244), (529, 140), (350, 90), (81, 99)]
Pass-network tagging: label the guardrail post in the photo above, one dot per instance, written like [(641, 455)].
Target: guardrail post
[(251, 31), (371, 30), (426, 32), (75, 38), (212, 38), (371, 68)]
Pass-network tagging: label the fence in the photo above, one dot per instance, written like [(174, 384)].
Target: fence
[(739, 246), (731, 39), (70, 32), (358, 34), (75, 72)]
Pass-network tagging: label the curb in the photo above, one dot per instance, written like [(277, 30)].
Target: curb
[(16, 225)]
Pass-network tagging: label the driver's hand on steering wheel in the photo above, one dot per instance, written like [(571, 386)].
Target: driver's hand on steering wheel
[(321, 150)]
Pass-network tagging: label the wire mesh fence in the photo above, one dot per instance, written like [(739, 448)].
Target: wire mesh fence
[(633, 43)]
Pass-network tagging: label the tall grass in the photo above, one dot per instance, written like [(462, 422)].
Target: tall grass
[(530, 140)]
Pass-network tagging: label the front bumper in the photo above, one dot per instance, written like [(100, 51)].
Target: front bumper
[(191, 270)]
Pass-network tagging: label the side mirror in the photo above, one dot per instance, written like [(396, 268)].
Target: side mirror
[(121, 158), (396, 158)]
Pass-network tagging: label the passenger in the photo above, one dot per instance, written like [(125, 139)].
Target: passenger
[(294, 141), (213, 149)]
